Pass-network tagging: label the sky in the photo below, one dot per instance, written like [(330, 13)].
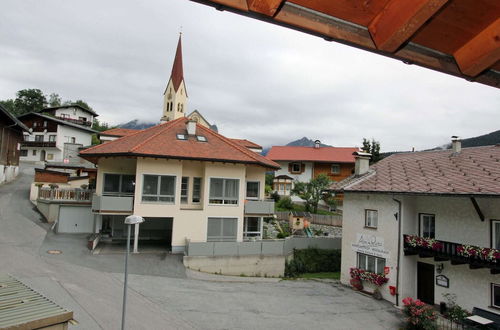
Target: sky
[(252, 79)]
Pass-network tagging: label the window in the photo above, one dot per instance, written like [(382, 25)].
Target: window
[(158, 188), (495, 295), (184, 189), (251, 227), (84, 119), (26, 137), (34, 124), (23, 153), (335, 169), (371, 218), (50, 156), (427, 225), (119, 184), (34, 152), (44, 123), (196, 190), (39, 138), (222, 229), (181, 137), (201, 138), (371, 263), (253, 189), (73, 140), (296, 167), (52, 138), (224, 191), (495, 234)]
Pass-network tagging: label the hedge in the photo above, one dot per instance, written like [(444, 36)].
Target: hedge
[(313, 261)]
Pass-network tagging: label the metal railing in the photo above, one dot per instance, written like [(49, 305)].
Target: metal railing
[(76, 121), (317, 219), (74, 195), (38, 143)]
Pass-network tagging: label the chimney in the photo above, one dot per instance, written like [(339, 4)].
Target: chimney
[(362, 162), (456, 144), (191, 127), (317, 144)]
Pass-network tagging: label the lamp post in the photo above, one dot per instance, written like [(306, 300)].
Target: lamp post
[(129, 221)]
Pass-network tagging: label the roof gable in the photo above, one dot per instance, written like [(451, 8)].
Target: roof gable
[(59, 121), (6, 113), (92, 112)]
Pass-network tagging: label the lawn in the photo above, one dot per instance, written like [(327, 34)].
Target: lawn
[(324, 275)]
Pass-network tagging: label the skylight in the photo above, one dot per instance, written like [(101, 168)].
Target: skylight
[(181, 137), (201, 138)]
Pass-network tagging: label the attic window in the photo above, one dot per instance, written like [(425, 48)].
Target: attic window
[(181, 137), (201, 138)]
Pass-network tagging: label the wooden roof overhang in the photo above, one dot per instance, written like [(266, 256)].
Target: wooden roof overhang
[(457, 37)]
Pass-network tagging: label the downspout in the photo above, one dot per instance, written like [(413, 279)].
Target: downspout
[(399, 219)]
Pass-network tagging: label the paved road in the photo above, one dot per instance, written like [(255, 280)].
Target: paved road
[(160, 294)]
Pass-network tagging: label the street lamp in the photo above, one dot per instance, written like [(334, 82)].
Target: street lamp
[(130, 220)]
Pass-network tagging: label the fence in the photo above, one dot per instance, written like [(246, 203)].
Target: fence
[(317, 219), (74, 195), (282, 247)]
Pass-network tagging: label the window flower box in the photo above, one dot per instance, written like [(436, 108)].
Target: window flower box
[(364, 275), (471, 251), (423, 242)]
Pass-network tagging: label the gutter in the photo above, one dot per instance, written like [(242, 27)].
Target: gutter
[(399, 219)]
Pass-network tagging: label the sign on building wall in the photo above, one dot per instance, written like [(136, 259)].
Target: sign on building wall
[(443, 281), (370, 244)]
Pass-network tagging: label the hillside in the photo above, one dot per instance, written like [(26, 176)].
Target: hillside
[(137, 124), (482, 140)]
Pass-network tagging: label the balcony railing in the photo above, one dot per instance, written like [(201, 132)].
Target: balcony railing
[(457, 253), (65, 195), (38, 144), (76, 121), (112, 204), (259, 207)]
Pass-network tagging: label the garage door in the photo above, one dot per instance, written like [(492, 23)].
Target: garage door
[(75, 219)]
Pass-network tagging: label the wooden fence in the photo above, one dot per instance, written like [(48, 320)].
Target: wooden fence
[(317, 219)]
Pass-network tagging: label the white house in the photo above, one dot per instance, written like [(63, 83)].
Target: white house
[(188, 181), (54, 137), (429, 222)]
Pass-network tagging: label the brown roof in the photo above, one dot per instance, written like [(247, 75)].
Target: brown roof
[(247, 143), (177, 75), (119, 132), (472, 171), (311, 154), (458, 37), (162, 141)]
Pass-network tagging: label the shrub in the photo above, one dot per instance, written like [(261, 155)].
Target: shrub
[(275, 196), (420, 315), (313, 261), (285, 203)]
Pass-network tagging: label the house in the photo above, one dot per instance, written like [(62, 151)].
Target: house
[(249, 144), (187, 181), (115, 133), (11, 136), (428, 222), (305, 163), (56, 134)]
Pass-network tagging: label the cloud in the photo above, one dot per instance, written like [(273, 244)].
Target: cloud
[(253, 79)]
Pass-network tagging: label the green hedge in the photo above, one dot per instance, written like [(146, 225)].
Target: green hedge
[(313, 261)]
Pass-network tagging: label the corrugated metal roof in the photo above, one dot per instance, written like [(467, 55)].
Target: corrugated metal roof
[(23, 308)]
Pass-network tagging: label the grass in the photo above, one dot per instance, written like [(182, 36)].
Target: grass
[(301, 208), (325, 275)]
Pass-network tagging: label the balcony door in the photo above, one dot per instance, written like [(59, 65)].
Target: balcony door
[(425, 282)]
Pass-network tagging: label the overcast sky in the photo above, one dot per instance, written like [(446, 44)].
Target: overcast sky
[(253, 79)]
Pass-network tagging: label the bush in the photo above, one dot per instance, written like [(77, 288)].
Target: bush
[(313, 261), (275, 196), (285, 203), (420, 315)]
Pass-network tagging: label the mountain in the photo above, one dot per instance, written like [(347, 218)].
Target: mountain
[(482, 140), (305, 142), (137, 124)]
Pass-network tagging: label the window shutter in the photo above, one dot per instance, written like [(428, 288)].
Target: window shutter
[(302, 167), (289, 167)]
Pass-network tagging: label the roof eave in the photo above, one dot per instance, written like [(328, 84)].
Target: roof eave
[(416, 193)]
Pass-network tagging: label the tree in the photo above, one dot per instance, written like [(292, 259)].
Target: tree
[(54, 100), (372, 148), (29, 100), (312, 192), (9, 105), (81, 103)]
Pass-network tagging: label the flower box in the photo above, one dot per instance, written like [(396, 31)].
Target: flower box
[(364, 275)]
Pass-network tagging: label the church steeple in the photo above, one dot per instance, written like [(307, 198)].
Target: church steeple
[(175, 95)]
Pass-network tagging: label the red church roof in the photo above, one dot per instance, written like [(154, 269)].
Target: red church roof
[(177, 75), (162, 141), (311, 154)]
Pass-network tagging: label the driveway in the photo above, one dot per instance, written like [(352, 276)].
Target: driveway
[(161, 296)]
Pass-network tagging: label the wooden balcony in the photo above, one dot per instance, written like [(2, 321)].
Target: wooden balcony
[(76, 121), (450, 251), (45, 144)]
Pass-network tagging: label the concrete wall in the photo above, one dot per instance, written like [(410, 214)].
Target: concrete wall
[(456, 221), (267, 266), (8, 173), (65, 133)]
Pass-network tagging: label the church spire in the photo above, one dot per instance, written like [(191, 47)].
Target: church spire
[(175, 95)]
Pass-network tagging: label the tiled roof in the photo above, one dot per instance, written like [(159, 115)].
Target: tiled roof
[(92, 112), (322, 154), (161, 141), (119, 132), (246, 143), (471, 171)]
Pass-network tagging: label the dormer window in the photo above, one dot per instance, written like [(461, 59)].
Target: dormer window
[(201, 138), (181, 137)]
